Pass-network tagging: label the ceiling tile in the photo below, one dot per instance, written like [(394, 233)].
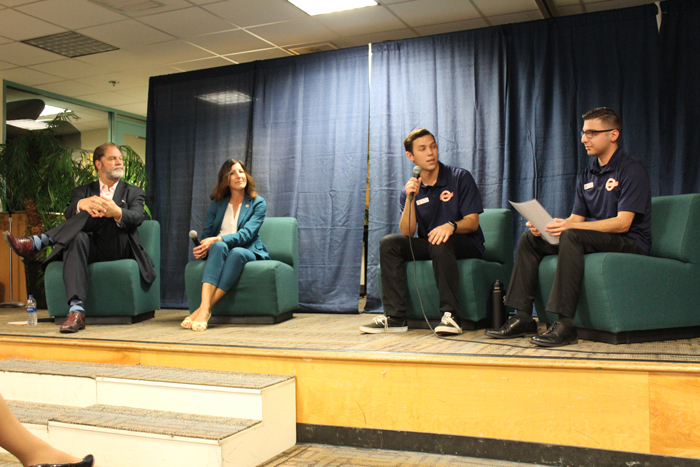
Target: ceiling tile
[(596, 5), (109, 99), (376, 38), (6, 66), (69, 88), (569, 10), (146, 73), (296, 32), (14, 3), (188, 22), (72, 15), (558, 3), (136, 93), (516, 17), (256, 12), (229, 42), (68, 69), (102, 82), (427, 12), (167, 5), (504, 7), (23, 54), (202, 64), (18, 26), (117, 60), (28, 77), (171, 52), (125, 34), (361, 21), (451, 27), (258, 55), (138, 109)]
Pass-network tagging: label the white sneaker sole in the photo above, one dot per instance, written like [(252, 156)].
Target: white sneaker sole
[(447, 330), (368, 330)]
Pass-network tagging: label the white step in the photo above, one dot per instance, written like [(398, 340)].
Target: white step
[(174, 398)]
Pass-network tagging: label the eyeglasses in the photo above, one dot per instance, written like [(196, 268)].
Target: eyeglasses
[(592, 133)]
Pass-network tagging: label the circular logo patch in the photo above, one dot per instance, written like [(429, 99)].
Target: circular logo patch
[(446, 196), (611, 183)]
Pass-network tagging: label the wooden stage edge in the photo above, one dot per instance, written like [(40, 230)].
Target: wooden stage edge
[(637, 407)]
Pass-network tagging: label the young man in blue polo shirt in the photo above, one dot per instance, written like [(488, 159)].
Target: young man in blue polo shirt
[(443, 206), (612, 213)]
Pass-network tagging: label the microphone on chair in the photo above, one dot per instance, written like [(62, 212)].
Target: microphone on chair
[(193, 236), (416, 174)]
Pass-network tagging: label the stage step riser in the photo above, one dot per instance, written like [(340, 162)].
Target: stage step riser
[(48, 389)]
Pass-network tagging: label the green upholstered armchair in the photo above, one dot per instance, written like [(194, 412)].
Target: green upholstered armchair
[(267, 291), (117, 293), (477, 276), (634, 298)]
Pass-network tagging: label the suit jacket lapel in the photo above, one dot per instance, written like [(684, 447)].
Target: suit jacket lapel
[(246, 207), (119, 194), (95, 188)]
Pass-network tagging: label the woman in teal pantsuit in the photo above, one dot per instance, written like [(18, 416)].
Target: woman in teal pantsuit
[(231, 237)]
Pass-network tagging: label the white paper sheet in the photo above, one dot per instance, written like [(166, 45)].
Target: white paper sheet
[(534, 212)]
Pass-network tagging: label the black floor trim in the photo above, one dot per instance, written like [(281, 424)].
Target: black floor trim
[(482, 448)]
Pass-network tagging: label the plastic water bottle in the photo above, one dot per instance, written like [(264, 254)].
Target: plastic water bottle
[(31, 311)]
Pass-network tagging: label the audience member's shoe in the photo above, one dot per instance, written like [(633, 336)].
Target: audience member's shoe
[(201, 325), (381, 324), (557, 335), (448, 325), (88, 461), (22, 246), (514, 327), (73, 323)]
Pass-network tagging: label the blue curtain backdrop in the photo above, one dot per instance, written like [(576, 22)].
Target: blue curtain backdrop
[(196, 121), (310, 162), (680, 96), (505, 103)]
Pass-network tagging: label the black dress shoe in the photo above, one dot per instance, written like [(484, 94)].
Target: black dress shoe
[(514, 327), (556, 336), (22, 246), (88, 461), (73, 323)]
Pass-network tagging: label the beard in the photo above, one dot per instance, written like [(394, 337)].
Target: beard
[(115, 174)]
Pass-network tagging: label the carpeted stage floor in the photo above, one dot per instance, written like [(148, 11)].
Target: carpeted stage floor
[(339, 333)]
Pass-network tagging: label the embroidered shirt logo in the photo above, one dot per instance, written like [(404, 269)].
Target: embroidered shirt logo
[(611, 183), (446, 196)]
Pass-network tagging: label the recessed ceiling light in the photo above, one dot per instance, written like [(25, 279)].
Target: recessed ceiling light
[(51, 110), (28, 124), (319, 7), (226, 97), (70, 44)]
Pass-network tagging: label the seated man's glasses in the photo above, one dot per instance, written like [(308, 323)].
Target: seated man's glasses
[(592, 133)]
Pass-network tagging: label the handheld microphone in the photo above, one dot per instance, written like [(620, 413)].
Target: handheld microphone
[(193, 236), (416, 174)]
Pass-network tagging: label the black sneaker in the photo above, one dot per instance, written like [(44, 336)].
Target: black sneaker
[(448, 325), (382, 324)]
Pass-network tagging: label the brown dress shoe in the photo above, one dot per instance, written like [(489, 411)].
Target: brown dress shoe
[(23, 246), (73, 323)]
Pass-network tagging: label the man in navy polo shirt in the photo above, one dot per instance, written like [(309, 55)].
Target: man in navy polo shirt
[(443, 206), (612, 213)]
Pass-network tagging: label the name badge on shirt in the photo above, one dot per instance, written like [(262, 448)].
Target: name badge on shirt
[(422, 201), (588, 186)]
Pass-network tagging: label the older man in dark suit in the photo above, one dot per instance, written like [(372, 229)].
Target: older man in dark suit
[(101, 225)]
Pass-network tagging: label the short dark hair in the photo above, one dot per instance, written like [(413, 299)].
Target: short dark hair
[(606, 115), (100, 152), (414, 135), (222, 189)]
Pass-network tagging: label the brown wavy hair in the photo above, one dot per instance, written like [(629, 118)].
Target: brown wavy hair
[(222, 190)]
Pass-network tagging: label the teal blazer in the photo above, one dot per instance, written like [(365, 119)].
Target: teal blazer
[(250, 219)]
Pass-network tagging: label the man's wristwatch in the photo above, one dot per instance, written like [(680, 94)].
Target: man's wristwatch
[(454, 226)]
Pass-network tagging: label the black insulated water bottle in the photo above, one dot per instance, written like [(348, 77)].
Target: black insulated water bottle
[(498, 309)]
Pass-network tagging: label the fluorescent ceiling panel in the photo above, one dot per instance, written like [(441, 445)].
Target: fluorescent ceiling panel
[(319, 7), (226, 97)]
